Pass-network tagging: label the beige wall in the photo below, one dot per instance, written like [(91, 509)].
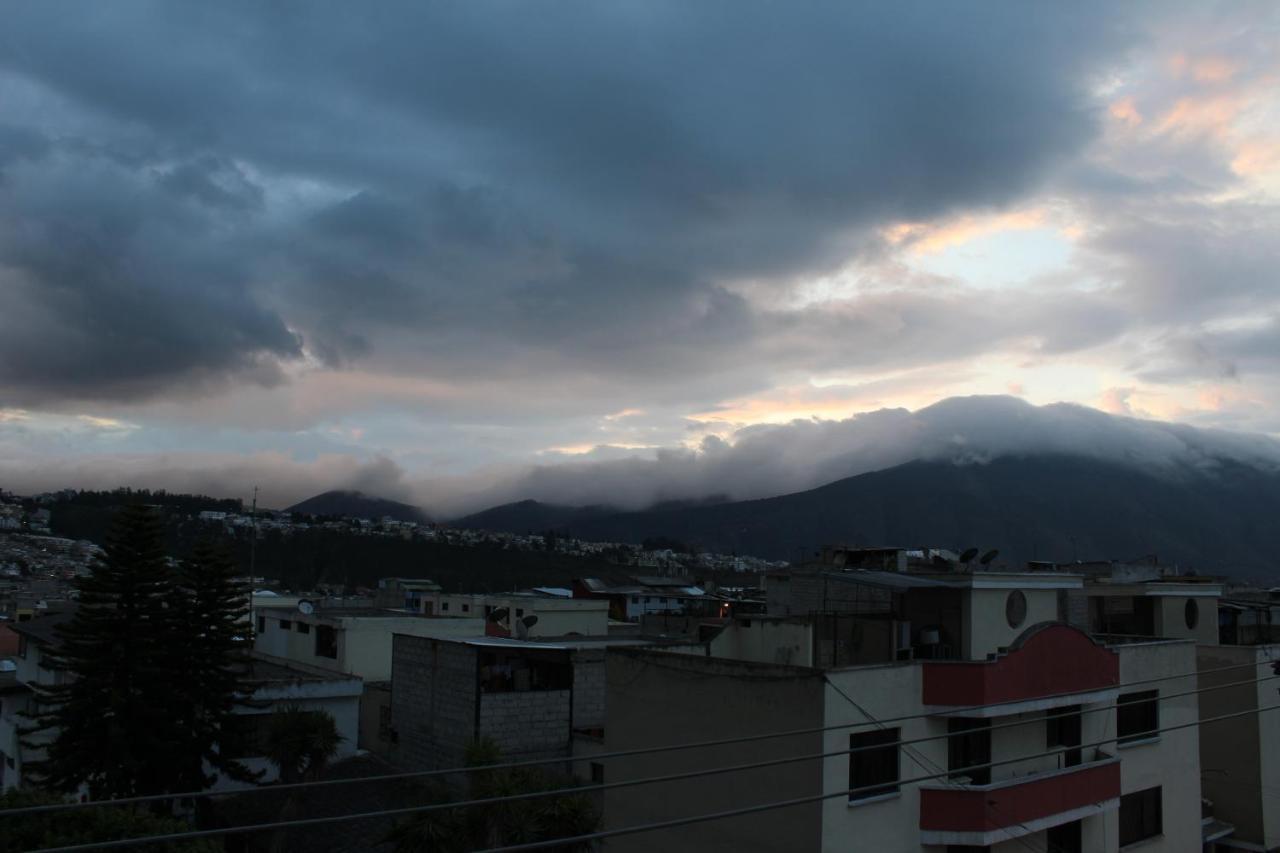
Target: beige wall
[(891, 824), (1171, 618), (987, 629), (1173, 760), (364, 642), (1244, 788), (765, 641), (556, 616), (655, 698)]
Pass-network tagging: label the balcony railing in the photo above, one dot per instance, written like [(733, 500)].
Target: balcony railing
[(1009, 808)]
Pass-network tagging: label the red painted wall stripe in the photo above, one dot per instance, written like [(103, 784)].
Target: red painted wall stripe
[(1055, 659), (952, 810)]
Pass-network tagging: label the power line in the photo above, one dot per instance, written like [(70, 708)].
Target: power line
[(647, 780), (650, 827), (626, 753), (298, 822)]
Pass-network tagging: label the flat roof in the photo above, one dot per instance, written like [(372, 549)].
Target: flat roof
[(267, 669), (42, 629), (553, 643)]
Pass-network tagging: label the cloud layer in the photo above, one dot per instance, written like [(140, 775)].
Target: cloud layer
[(446, 244), (194, 194), (763, 461)]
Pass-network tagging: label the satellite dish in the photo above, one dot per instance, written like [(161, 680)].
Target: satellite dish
[(968, 555), (498, 614), (523, 626), (306, 608), (989, 556)]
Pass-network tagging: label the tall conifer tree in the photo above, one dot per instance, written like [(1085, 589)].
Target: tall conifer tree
[(212, 652), (112, 705)]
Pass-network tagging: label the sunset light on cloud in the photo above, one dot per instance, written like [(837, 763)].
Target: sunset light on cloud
[(1063, 204)]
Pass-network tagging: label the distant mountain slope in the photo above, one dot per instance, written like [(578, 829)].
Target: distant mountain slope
[(358, 505), (525, 516), (1034, 507)]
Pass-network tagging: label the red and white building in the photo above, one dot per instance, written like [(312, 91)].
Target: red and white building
[(980, 720)]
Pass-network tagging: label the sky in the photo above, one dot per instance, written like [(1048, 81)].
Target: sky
[(454, 253)]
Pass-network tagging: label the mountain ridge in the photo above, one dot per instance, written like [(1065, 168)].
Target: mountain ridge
[(357, 504), (1057, 507)]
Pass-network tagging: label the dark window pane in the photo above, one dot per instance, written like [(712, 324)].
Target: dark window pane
[(326, 642), (1137, 715), (873, 765), (969, 745), (1140, 816)]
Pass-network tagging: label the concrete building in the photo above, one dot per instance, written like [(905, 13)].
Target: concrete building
[(553, 615), (356, 641), (1240, 756), (534, 699), (991, 678), (647, 595)]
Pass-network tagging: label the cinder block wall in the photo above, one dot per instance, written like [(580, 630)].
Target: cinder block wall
[(589, 687), (433, 702), (532, 724)]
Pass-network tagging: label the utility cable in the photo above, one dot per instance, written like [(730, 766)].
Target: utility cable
[(298, 822), (626, 753)]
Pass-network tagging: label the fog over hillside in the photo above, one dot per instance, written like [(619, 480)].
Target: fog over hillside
[(765, 460)]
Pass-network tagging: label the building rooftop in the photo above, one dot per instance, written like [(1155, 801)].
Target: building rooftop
[(557, 642), (43, 629), (266, 669)]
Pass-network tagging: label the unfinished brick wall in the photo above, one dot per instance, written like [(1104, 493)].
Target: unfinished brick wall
[(433, 701), (589, 688), (528, 724)]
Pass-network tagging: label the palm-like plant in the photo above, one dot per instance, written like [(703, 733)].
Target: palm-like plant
[(299, 743)]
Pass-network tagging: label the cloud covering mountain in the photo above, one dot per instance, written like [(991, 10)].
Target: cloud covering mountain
[(438, 249), (762, 461)]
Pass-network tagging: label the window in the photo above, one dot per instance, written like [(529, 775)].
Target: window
[(1062, 728), (326, 642), (1191, 613), (22, 646), (597, 773), (1065, 838), (466, 608), (304, 627), (1137, 716), (873, 767), (286, 625), (519, 612), (1140, 816), (262, 624), (968, 746), (444, 605), (1015, 608)]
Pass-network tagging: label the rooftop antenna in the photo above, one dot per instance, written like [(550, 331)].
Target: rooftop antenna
[(968, 555), (989, 556)]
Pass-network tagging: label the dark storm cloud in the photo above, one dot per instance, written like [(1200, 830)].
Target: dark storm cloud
[(473, 187), (117, 284)]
